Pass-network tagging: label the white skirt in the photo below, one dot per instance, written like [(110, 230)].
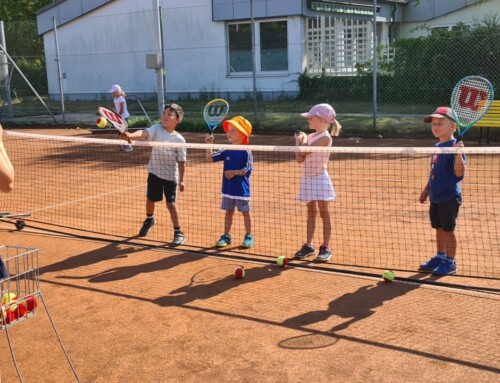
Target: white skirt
[(319, 188)]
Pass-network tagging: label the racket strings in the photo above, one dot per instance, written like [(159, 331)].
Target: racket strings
[(471, 100)]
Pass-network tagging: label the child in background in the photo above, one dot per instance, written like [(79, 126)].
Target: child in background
[(166, 168), (238, 165), (6, 185), (121, 107), (316, 188), (444, 193)]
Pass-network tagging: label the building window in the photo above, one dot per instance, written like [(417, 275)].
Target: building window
[(335, 45), (271, 40)]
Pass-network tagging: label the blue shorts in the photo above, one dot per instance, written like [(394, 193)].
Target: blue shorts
[(444, 215), (157, 187), (243, 205)]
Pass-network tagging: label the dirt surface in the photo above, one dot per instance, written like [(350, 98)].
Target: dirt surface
[(137, 313)]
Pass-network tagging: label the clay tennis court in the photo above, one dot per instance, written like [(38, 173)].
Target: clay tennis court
[(140, 311)]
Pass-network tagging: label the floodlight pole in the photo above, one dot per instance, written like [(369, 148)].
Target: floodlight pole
[(160, 71), (59, 71), (4, 73), (254, 64)]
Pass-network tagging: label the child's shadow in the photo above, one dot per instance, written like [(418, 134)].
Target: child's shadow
[(192, 291), (126, 272), (357, 306), (110, 251)]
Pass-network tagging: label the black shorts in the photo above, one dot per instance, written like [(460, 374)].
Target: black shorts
[(158, 186), (444, 215)]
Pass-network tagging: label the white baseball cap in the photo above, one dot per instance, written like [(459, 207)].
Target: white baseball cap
[(116, 88)]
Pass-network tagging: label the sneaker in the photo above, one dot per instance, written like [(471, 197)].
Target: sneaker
[(445, 268), (248, 241), (431, 264), (304, 252), (325, 254), (224, 240), (178, 238), (146, 226)]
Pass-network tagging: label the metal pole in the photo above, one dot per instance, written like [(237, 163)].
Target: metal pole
[(159, 71), (27, 82), (59, 72), (254, 64), (4, 73), (375, 64)]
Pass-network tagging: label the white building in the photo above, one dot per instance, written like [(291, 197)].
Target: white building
[(207, 44)]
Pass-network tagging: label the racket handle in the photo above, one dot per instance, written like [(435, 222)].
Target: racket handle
[(297, 132)]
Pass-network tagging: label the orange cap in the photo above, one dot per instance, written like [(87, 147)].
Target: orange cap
[(240, 123)]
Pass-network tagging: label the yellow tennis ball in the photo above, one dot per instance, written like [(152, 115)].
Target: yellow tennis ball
[(388, 276), (101, 122), (8, 297), (282, 261)]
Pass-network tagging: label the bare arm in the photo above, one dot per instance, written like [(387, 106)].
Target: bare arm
[(137, 135), (424, 194), (300, 140), (209, 139), (6, 168), (182, 168), (459, 167)]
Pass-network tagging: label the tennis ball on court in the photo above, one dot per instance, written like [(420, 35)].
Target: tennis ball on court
[(388, 276), (101, 122), (30, 303), (239, 273), (379, 137), (282, 261), (8, 297)]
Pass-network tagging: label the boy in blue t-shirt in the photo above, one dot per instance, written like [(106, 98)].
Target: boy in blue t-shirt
[(238, 166), (443, 190)]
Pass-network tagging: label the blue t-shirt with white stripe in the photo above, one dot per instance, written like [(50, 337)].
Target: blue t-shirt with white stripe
[(237, 187)]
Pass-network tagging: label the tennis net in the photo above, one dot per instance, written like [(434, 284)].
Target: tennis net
[(86, 185)]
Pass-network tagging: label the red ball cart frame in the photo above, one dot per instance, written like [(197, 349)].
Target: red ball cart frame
[(23, 280)]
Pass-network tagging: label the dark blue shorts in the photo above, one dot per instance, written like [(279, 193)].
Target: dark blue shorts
[(444, 215), (157, 187)]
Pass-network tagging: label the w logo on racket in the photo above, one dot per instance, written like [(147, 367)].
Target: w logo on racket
[(214, 112), (470, 101), (470, 97)]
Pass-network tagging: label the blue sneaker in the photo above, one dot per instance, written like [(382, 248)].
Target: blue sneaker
[(224, 240), (248, 241), (431, 264), (445, 268)]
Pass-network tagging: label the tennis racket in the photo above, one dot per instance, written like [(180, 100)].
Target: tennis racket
[(214, 112), (470, 101), (116, 121)]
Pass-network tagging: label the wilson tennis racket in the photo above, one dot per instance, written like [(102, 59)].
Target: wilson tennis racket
[(115, 120), (214, 112), (470, 101)]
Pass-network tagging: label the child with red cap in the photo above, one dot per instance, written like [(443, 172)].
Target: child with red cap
[(316, 188), (238, 165), (443, 191)]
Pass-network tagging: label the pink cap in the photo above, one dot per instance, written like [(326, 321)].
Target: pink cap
[(323, 111), (116, 88)]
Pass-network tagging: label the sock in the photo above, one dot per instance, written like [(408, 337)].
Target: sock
[(441, 254), (177, 229), (149, 216), (451, 260)]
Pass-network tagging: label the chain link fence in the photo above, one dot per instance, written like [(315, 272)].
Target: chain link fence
[(332, 62)]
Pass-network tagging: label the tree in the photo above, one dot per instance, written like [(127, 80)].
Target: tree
[(20, 10)]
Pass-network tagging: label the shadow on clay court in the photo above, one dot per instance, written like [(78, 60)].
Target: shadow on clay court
[(126, 272), (215, 283), (112, 250), (355, 306)]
